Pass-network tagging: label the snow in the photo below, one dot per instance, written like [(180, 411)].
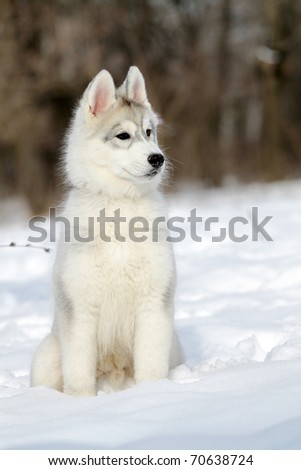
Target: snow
[(238, 315)]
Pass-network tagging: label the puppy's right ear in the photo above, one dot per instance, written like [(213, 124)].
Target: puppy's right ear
[(100, 94)]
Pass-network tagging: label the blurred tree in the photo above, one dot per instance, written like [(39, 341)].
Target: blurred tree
[(275, 55), (225, 76)]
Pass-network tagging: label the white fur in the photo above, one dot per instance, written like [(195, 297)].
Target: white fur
[(113, 300)]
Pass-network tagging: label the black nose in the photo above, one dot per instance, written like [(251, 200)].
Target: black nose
[(156, 160)]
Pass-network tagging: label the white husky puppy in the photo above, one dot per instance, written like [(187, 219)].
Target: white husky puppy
[(114, 294)]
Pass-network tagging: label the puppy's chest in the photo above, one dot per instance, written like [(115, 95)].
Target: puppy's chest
[(125, 262), (124, 234), (127, 249)]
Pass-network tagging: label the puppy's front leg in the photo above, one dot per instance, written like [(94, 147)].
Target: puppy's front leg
[(152, 344), (79, 355)]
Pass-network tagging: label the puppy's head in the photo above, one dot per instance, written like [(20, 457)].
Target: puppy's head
[(112, 143)]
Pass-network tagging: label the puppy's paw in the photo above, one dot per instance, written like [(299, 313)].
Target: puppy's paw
[(150, 375), (80, 392)]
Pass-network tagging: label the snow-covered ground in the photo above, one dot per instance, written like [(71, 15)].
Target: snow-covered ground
[(238, 314)]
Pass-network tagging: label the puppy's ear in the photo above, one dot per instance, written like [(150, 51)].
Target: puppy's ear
[(100, 94), (133, 88)]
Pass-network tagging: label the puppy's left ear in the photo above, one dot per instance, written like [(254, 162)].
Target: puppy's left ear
[(133, 88), (100, 94)]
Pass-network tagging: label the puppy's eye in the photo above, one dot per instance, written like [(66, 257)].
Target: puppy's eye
[(123, 136), (148, 132)]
